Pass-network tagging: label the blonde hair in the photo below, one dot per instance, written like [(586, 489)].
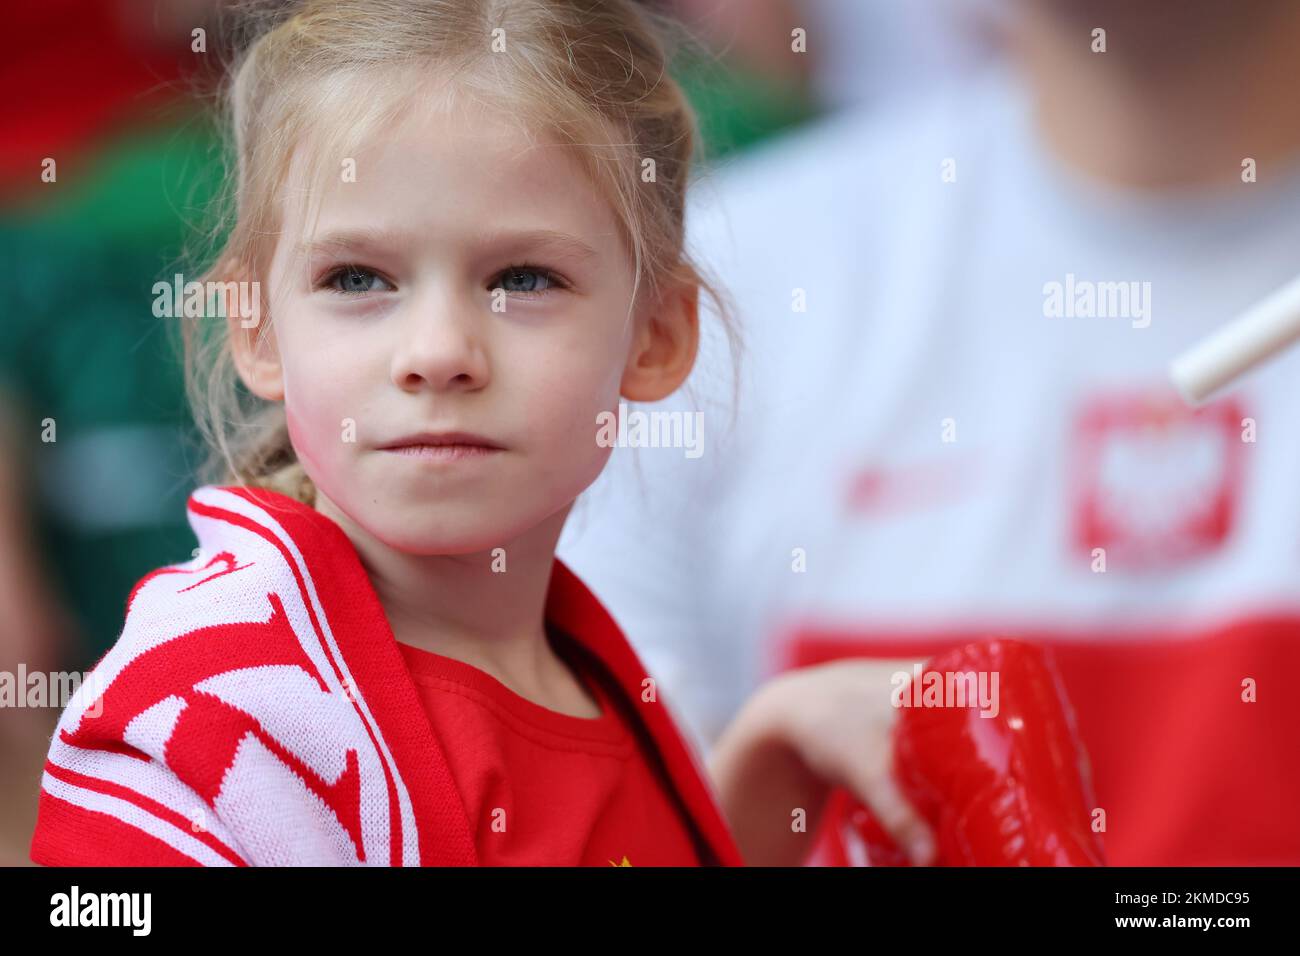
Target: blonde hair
[(593, 72)]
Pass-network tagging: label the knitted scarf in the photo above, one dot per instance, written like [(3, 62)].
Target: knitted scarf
[(256, 710)]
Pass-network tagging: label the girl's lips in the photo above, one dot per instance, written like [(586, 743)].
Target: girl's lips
[(443, 452)]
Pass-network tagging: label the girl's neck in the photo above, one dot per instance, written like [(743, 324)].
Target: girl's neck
[(460, 607)]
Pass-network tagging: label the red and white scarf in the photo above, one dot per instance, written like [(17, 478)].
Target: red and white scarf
[(256, 710)]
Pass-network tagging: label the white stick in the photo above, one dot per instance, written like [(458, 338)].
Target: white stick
[(1256, 335)]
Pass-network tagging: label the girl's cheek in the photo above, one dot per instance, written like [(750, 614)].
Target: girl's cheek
[(302, 438)]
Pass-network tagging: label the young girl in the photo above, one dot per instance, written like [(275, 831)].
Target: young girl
[(463, 221)]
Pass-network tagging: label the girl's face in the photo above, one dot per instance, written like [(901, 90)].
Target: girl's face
[(468, 287)]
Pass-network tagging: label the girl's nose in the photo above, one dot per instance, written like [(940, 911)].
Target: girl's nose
[(440, 348)]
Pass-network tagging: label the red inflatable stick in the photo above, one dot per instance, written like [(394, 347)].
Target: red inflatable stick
[(986, 749)]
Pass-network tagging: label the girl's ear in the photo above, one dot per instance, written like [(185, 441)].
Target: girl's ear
[(254, 348), (664, 348)]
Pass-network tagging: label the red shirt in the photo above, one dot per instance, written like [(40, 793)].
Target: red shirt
[(542, 788)]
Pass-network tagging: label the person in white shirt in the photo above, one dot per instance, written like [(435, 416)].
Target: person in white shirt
[(954, 419)]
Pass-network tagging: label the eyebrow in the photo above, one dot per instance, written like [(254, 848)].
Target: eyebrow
[(556, 243), (348, 239)]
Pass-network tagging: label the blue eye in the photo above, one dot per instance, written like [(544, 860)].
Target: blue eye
[(526, 279), (355, 280)]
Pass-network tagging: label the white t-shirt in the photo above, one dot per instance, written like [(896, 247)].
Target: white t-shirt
[(969, 430)]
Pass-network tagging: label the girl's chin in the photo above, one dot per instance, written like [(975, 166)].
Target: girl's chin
[(426, 524), (442, 547), (428, 536)]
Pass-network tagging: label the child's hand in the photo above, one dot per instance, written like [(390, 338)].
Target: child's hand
[(796, 738)]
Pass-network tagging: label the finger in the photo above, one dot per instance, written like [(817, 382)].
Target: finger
[(898, 817)]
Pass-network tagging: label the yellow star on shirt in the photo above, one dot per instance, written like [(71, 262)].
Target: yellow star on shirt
[(624, 863)]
